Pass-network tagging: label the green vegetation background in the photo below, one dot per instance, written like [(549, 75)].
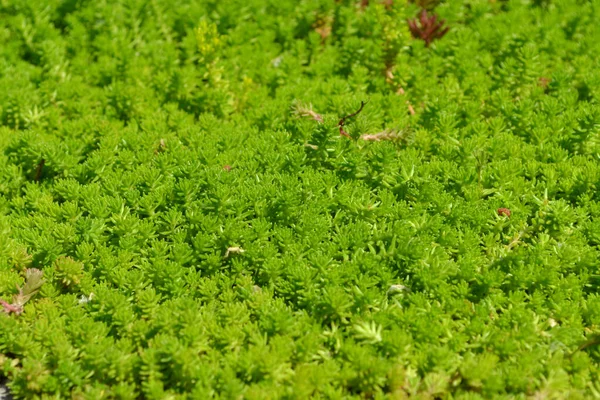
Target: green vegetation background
[(205, 231)]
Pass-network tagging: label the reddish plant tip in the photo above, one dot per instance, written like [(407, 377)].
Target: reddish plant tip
[(227, 168), (11, 308), (427, 27), (504, 211), (543, 82), (343, 132)]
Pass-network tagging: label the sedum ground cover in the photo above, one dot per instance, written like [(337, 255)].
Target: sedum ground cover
[(190, 209)]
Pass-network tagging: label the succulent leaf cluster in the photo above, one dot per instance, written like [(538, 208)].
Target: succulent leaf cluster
[(176, 191)]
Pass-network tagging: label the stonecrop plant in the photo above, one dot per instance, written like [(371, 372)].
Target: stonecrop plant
[(193, 206)]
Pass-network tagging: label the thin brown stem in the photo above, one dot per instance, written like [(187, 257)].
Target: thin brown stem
[(354, 114), (38, 171)]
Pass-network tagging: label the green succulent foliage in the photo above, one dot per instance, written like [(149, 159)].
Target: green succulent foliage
[(178, 175), (68, 271)]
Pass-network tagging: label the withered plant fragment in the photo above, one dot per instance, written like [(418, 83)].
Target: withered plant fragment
[(354, 114), (389, 74), (594, 340), (233, 250), (427, 27), (388, 134), (11, 308), (426, 4), (323, 27), (504, 212), (162, 146), (39, 169), (33, 282), (307, 112), (544, 82)]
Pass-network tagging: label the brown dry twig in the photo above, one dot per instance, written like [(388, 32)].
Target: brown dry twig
[(593, 341), (354, 114), (38, 171)]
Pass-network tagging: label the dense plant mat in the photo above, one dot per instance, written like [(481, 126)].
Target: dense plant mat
[(299, 199)]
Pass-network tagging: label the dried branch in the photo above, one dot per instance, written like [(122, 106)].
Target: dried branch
[(354, 114), (593, 341), (38, 171)]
